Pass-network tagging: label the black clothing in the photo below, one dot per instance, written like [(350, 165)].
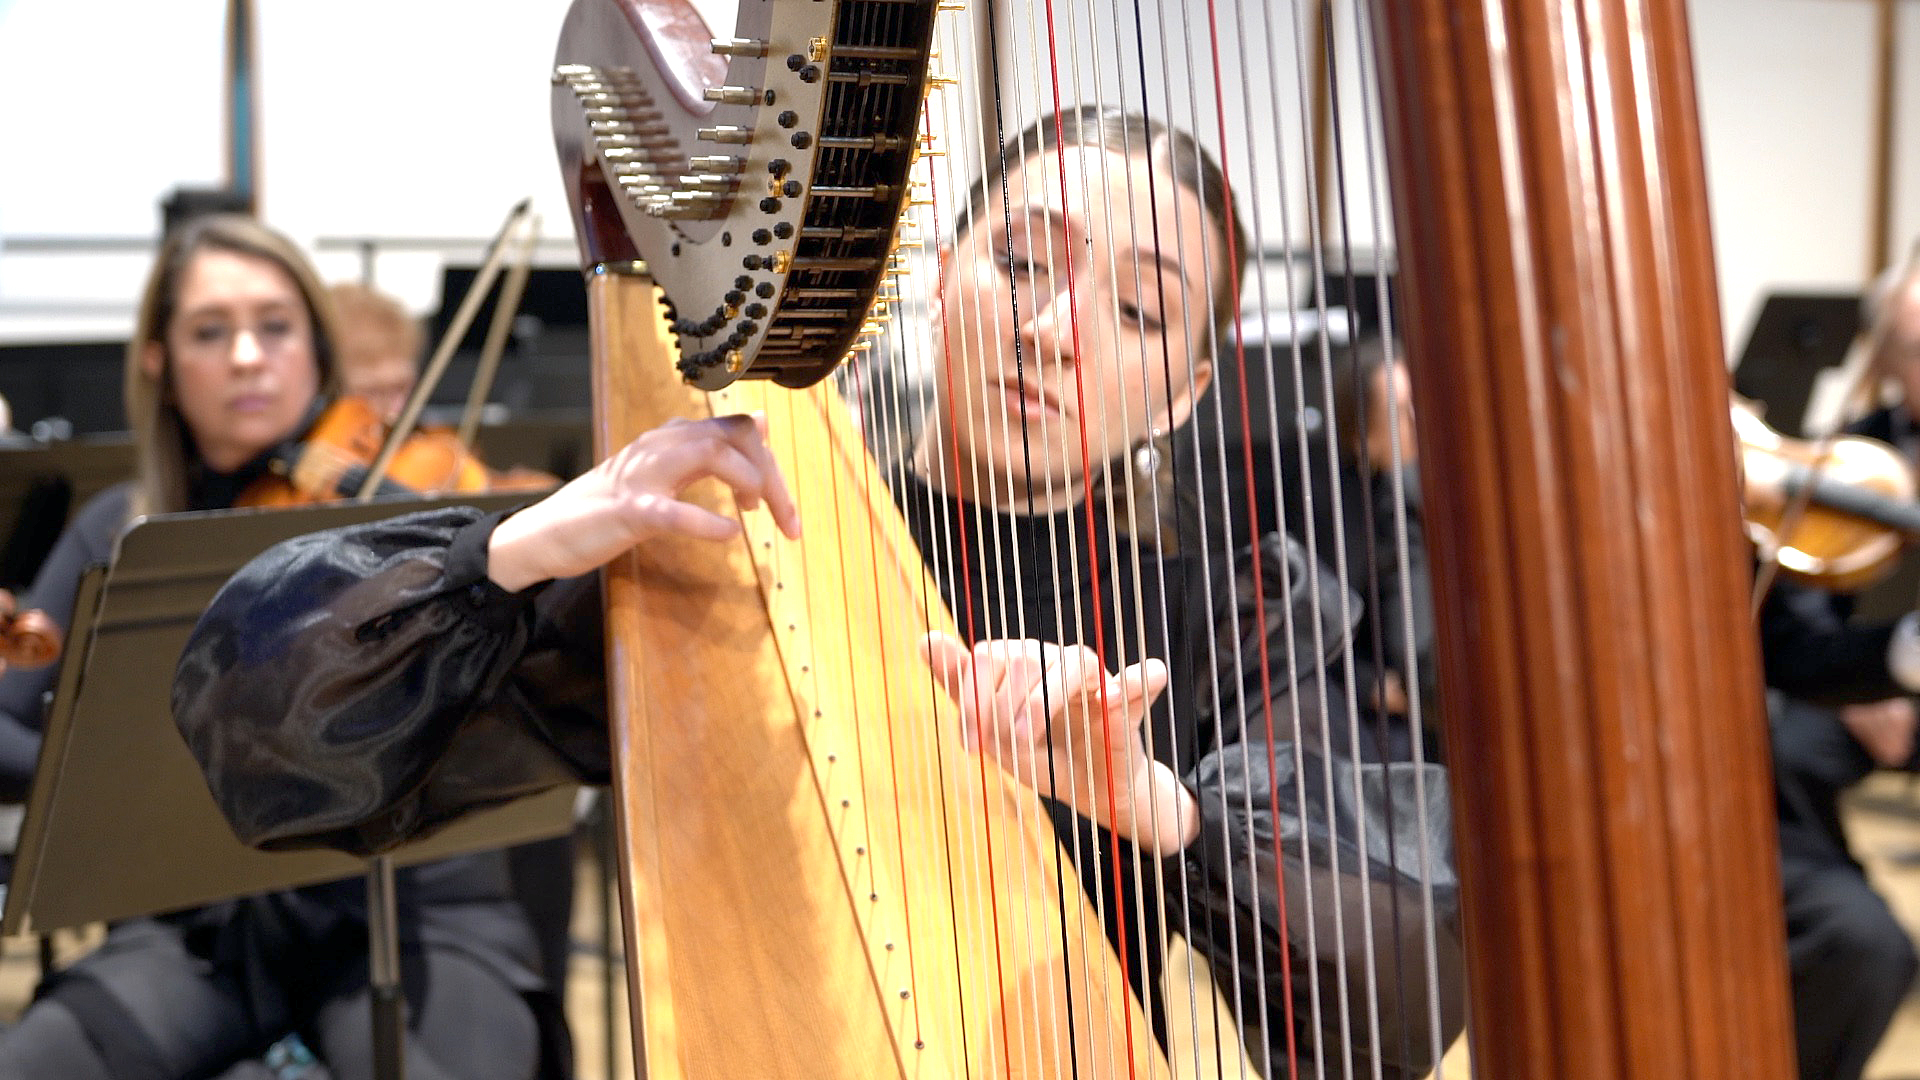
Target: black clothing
[(88, 540), (1851, 962), (426, 690), (279, 958)]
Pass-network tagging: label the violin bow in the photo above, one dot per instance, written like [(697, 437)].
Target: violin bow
[(443, 353), (504, 311)]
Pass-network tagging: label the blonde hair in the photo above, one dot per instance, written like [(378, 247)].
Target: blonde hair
[(362, 307), (162, 449)]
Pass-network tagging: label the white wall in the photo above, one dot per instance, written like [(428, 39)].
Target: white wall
[(429, 118), (1786, 103)]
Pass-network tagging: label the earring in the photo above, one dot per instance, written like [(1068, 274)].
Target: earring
[(1147, 457)]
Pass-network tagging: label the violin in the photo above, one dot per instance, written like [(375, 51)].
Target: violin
[(28, 639), (333, 460), (1834, 512)]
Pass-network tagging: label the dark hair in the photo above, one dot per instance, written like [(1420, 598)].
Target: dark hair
[(1169, 151)]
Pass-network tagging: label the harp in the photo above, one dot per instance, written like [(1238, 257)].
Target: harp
[(823, 881)]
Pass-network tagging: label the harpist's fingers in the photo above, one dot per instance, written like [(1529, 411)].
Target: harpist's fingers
[(947, 657), (669, 515), (1074, 676), (748, 434), (1142, 683)]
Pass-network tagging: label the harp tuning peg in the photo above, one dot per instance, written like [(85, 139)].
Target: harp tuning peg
[(750, 47), (727, 134), (733, 95)]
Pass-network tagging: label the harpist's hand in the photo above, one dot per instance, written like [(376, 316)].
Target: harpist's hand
[(635, 494), (1056, 720)]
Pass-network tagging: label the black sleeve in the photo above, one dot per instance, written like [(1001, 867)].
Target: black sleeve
[(1809, 651), (359, 687), (88, 540)]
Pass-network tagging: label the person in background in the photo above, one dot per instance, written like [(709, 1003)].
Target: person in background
[(379, 347), (233, 354), (1841, 705)]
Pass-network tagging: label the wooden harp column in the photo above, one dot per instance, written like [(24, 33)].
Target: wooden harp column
[(1598, 665)]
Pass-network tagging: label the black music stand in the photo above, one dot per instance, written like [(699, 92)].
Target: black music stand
[(120, 823), (42, 485), (1795, 337)]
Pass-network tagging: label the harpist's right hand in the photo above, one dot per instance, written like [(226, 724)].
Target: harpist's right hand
[(635, 494)]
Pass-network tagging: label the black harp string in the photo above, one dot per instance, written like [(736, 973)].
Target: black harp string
[(1125, 561), (1191, 124), (1039, 179), (954, 558), (937, 787), (1067, 871), (1011, 616), (1147, 637), (1367, 61), (1161, 516), (960, 551), (944, 575), (1127, 911)]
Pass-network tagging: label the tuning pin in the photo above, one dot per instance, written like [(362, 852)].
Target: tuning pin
[(716, 163), (733, 95), (571, 73), (727, 134), (750, 47), (710, 182)]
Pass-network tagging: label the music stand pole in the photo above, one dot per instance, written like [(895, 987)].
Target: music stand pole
[(383, 958)]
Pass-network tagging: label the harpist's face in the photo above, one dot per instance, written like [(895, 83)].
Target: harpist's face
[(1025, 387), (239, 354)]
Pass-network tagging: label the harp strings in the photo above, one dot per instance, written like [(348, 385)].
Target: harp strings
[(985, 334)]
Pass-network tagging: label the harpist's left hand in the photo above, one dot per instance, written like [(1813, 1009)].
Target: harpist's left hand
[(1054, 718)]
